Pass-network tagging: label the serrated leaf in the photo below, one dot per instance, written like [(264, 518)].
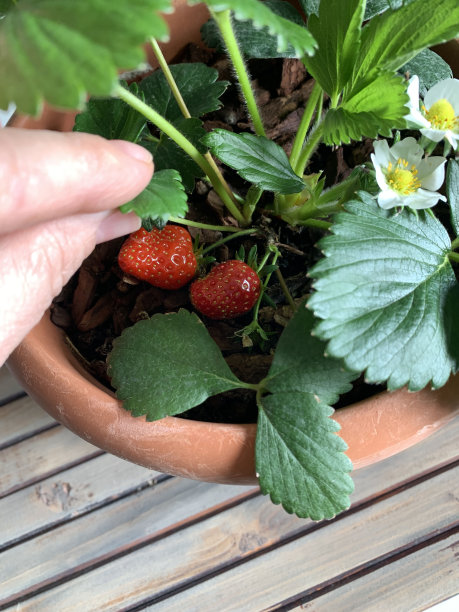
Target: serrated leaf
[(378, 108), (381, 292), (429, 67), (111, 118), (372, 8), (166, 365), (286, 32), (395, 36), (254, 43), (256, 159), (168, 155), (197, 84), (299, 457), (61, 51), (452, 191), (164, 197), (337, 32)]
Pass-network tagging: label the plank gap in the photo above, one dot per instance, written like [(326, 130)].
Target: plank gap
[(31, 434), (362, 570), (12, 398)]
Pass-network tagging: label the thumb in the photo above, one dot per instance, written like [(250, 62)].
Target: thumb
[(38, 261)]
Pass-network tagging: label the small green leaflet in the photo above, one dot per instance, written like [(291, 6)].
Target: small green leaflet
[(168, 155), (256, 159), (111, 118), (254, 43), (164, 197), (429, 67), (384, 292), (337, 32), (285, 30), (452, 191), (372, 8), (167, 364), (377, 108), (395, 36), (60, 51), (197, 84), (299, 458)]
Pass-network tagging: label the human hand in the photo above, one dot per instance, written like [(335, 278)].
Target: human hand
[(57, 200)]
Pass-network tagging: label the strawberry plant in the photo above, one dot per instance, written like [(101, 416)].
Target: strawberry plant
[(384, 292)]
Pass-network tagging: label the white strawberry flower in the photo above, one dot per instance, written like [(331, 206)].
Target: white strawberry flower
[(405, 177), (438, 116)]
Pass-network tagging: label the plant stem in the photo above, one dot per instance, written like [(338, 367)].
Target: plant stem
[(453, 256), (455, 243), (206, 226), (227, 238), (304, 125), (325, 225), (184, 109), (183, 143), (223, 21), (308, 149), (285, 289)]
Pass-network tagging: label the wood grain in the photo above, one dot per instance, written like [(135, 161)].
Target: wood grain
[(21, 419)]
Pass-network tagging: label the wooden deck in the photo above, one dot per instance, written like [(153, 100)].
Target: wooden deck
[(82, 530)]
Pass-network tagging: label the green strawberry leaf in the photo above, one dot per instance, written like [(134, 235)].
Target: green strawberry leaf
[(167, 364), (164, 197), (111, 118), (395, 36), (197, 84), (61, 51), (384, 292), (429, 67), (299, 457), (6, 5), (375, 109), (337, 32), (372, 8), (286, 32), (168, 155), (452, 191), (255, 43), (256, 159)]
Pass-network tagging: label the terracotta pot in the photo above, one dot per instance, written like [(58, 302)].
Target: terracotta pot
[(374, 429)]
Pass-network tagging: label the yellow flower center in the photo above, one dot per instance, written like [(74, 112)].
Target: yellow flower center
[(401, 179), (441, 115)]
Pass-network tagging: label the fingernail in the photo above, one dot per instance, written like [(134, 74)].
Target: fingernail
[(117, 224), (135, 151)]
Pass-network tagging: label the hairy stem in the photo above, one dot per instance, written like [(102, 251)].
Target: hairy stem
[(223, 21), (309, 149), (166, 127), (206, 226), (304, 126), (236, 234)]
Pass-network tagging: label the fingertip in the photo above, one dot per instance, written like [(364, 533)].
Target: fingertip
[(117, 224), (133, 150)]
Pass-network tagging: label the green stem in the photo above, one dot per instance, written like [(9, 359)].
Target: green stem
[(184, 109), (455, 243), (218, 243), (206, 226), (223, 21), (309, 149), (453, 256), (183, 143), (324, 225), (304, 125)]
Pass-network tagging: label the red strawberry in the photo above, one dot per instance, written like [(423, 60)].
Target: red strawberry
[(164, 258), (229, 290)]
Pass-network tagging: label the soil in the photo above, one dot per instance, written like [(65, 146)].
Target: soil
[(100, 300)]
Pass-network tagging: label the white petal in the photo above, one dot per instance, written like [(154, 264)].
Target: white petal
[(448, 89), (380, 178), (382, 153), (423, 199), (433, 134), (415, 117), (389, 199), (452, 138), (408, 149), (431, 172)]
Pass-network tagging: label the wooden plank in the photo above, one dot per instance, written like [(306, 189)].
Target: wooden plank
[(173, 563), (413, 582), (68, 495), (21, 419), (435, 451), (9, 387), (38, 457), (109, 532)]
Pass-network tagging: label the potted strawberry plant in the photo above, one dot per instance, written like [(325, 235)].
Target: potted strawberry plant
[(384, 291)]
